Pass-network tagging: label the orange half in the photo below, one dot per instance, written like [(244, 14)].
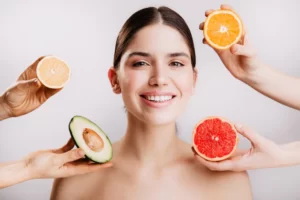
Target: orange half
[(222, 29), (53, 72)]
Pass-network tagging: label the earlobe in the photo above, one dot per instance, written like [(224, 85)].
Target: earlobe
[(195, 76)]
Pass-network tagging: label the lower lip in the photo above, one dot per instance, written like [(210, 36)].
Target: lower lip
[(158, 104)]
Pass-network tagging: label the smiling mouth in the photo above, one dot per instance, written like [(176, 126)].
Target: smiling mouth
[(158, 99)]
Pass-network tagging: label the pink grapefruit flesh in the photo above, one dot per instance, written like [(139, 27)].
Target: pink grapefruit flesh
[(215, 138)]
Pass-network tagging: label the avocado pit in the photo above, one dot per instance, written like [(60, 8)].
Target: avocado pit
[(92, 140)]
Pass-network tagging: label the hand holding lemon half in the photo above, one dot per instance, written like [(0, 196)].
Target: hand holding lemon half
[(41, 80)]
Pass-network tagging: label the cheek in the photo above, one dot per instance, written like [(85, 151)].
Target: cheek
[(132, 80), (185, 84)]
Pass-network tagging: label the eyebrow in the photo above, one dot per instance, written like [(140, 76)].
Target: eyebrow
[(139, 53), (144, 54), (178, 54)]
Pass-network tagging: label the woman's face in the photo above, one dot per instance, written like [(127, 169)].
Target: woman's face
[(155, 75)]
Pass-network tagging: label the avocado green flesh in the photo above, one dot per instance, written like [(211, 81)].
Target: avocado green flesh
[(76, 126)]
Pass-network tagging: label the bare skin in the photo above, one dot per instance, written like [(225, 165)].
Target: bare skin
[(152, 165), (150, 161), (181, 177)]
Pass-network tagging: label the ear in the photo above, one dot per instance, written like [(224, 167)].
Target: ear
[(113, 79), (195, 77)]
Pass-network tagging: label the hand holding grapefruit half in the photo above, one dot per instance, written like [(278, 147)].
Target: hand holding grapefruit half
[(215, 138), (53, 72)]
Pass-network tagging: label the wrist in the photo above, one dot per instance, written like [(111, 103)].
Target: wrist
[(13, 173), (256, 77), (30, 169), (4, 109)]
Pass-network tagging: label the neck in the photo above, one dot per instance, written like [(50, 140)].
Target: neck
[(149, 144)]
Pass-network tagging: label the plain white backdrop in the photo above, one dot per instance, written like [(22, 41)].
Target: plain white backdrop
[(83, 33)]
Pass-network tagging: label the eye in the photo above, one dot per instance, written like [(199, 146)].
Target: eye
[(140, 63), (177, 64)]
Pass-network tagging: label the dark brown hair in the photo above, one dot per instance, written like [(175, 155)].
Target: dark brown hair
[(148, 16)]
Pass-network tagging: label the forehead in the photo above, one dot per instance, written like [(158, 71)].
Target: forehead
[(158, 39)]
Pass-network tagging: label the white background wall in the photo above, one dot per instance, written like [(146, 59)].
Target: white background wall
[(84, 32)]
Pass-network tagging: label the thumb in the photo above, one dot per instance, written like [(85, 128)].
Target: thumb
[(70, 156), (32, 84), (251, 135)]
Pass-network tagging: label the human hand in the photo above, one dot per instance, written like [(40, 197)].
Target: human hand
[(263, 154), (240, 59), (62, 162), (26, 94)]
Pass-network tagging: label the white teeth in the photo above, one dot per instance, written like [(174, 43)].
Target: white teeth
[(158, 98)]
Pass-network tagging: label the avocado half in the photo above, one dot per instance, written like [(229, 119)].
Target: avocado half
[(91, 139)]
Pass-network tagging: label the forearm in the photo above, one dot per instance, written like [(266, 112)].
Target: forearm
[(4, 113), (13, 173), (276, 85), (291, 154)]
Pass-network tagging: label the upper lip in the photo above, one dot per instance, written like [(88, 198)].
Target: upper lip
[(157, 93)]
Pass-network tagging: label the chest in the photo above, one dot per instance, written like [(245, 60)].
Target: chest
[(159, 188)]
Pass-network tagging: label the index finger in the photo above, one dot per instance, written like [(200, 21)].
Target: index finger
[(251, 135), (83, 168), (226, 7), (208, 12)]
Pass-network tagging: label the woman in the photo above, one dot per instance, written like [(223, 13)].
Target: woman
[(154, 71), (26, 95)]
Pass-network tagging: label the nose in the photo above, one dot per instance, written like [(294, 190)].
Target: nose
[(159, 76)]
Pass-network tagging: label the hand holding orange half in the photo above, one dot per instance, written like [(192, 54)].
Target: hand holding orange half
[(41, 80), (224, 31)]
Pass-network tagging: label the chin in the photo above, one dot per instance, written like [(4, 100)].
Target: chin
[(159, 118), (159, 121)]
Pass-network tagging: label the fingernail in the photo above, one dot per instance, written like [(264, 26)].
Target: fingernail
[(238, 126), (80, 153), (193, 150), (235, 49), (37, 82), (109, 164)]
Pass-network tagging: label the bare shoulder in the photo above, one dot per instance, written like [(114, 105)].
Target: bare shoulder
[(69, 188), (78, 186), (220, 185), (231, 185)]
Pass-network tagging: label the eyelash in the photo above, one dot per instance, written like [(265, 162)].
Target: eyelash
[(141, 63), (180, 64), (138, 64)]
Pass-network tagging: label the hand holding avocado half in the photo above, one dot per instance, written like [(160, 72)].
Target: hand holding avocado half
[(33, 87), (56, 163)]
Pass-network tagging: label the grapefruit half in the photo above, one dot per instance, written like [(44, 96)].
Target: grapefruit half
[(53, 72), (215, 138)]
